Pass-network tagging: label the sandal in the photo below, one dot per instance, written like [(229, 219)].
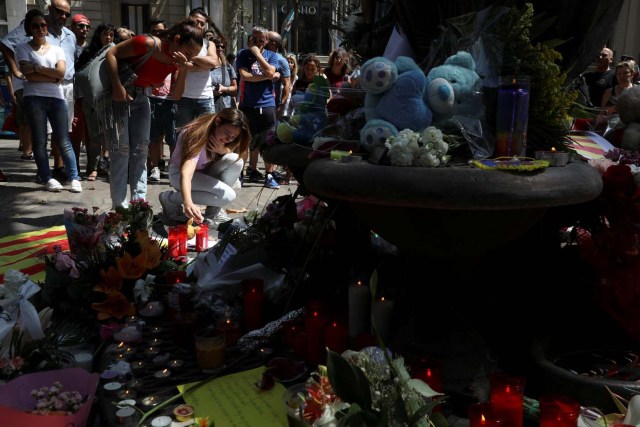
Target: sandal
[(92, 176)]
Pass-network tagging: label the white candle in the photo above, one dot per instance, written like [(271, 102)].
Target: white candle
[(84, 360), (128, 334), (381, 313), (359, 309), (162, 421), (152, 309)]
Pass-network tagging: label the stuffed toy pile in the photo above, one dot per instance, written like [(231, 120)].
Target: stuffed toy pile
[(399, 96)]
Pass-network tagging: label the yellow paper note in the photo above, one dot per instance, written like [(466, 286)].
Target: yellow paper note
[(235, 401)]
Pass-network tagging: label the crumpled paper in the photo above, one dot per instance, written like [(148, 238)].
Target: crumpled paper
[(16, 307)]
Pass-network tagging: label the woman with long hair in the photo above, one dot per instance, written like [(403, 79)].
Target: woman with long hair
[(129, 121), (224, 79), (337, 70), (95, 143), (43, 66), (206, 163), (293, 66)]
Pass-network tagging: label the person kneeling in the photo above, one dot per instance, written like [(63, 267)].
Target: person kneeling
[(205, 165)]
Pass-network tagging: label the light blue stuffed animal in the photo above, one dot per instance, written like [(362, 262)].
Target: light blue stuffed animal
[(394, 99), (455, 89)]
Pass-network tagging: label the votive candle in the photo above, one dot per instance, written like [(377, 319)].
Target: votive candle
[(483, 415), (253, 298), (507, 397), (558, 411)]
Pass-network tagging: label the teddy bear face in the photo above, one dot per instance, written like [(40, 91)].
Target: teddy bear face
[(457, 74)]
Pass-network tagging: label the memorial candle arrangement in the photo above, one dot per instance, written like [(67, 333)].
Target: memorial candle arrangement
[(177, 241), (507, 397), (202, 238)]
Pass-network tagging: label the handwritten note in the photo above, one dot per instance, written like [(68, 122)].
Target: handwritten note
[(235, 401)]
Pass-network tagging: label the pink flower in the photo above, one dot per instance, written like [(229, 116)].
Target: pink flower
[(64, 262)]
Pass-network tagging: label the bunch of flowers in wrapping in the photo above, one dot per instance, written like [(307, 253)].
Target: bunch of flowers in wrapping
[(84, 229), (367, 387), (609, 239), (108, 279), (53, 401), (426, 148)]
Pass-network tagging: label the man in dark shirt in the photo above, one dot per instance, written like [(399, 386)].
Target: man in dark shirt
[(601, 78)]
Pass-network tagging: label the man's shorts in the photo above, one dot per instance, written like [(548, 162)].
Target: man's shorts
[(163, 120)]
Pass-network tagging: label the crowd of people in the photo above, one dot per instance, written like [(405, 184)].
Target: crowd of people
[(605, 83), (173, 85)]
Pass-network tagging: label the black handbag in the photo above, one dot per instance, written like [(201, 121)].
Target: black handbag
[(93, 79)]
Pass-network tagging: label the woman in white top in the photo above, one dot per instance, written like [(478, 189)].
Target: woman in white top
[(197, 98), (43, 66)]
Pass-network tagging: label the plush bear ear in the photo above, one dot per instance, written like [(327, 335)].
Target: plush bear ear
[(462, 59), (378, 75), (440, 96)]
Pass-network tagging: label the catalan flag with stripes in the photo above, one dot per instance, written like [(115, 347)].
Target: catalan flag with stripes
[(589, 145), (24, 251)]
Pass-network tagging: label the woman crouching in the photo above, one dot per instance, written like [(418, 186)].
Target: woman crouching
[(205, 165)]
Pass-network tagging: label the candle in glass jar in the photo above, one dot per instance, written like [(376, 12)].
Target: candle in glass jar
[(314, 326), (558, 411), (202, 238), (231, 331), (507, 397), (253, 298), (483, 415), (336, 337), (359, 309)]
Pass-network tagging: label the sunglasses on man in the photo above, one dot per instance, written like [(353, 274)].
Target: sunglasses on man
[(62, 12)]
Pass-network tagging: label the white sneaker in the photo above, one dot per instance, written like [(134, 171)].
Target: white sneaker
[(154, 176), (76, 187), (54, 186)]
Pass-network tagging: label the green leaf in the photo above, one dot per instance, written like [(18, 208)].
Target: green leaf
[(348, 381), (422, 388), (295, 422), (438, 420), (373, 284)]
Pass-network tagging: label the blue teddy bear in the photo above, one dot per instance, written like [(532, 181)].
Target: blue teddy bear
[(394, 99)]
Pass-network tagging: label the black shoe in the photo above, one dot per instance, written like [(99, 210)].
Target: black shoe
[(254, 175), (59, 174)]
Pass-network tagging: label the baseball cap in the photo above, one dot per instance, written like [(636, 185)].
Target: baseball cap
[(79, 18)]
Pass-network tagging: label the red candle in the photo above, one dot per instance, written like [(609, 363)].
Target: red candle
[(558, 411), (430, 371), (176, 276), (253, 297), (336, 337), (231, 331), (507, 393), (177, 240), (202, 238), (314, 325), (484, 415)]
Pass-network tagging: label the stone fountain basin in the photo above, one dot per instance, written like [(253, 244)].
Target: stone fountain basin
[(454, 210)]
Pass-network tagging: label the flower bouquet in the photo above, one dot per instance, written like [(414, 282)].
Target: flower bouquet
[(369, 387), (84, 229), (20, 407)]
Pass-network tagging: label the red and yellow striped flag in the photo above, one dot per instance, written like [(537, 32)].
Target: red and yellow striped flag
[(589, 145), (24, 251)]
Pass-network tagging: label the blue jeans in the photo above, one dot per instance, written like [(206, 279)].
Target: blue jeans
[(38, 109), (190, 108), (128, 153), (163, 120)]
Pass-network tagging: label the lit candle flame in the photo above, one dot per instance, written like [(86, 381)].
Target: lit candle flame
[(553, 149), (483, 420)]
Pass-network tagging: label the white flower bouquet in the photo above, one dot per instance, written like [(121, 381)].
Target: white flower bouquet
[(423, 149)]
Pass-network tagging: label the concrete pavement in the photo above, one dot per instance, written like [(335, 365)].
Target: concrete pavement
[(27, 206)]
